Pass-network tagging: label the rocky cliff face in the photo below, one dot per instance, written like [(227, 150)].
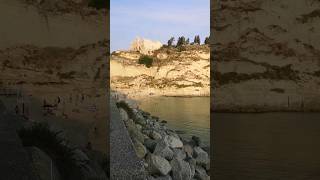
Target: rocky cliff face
[(33, 66), (173, 73), (60, 23), (265, 55), (145, 46)]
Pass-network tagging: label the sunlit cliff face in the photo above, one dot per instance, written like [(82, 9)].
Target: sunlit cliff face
[(145, 46)]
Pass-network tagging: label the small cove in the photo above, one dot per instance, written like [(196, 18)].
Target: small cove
[(190, 116)]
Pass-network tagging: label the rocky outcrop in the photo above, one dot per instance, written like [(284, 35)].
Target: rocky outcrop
[(167, 156), (173, 73), (145, 46), (265, 55)]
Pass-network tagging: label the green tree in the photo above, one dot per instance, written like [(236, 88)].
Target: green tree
[(181, 41), (196, 39), (170, 41), (207, 40)]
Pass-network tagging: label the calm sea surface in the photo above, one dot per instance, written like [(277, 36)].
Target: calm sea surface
[(267, 146), (189, 115)]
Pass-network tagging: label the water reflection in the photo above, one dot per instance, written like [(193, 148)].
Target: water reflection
[(189, 115)]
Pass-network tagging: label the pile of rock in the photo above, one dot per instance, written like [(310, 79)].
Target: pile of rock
[(165, 154)]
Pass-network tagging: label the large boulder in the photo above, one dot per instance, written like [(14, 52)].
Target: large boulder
[(158, 165), (140, 120), (181, 170), (201, 156), (192, 163), (123, 114), (163, 150), (196, 140), (173, 142), (150, 144), (141, 150), (89, 168), (179, 154), (134, 131), (80, 156), (155, 135), (188, 149), (43, 165), (201, 174)]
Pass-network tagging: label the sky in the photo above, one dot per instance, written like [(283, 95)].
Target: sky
[(157, 20)]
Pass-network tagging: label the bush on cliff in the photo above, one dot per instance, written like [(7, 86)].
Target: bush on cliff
[(146, 60)]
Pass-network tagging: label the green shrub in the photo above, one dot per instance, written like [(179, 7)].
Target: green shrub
[(41, 136), (146, 60), (100, 4)]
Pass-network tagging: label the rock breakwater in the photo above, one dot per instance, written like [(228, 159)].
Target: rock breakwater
[(165, 154)]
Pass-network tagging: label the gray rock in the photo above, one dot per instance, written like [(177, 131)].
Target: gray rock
[(154, 135), (140, 148), (167, 177), (150, 144), (208, 165), (133, 131), (188, 149), (139, 127), (180, 170), (201, 174), (206, 149), (196, 140), (179, 154), (163, 150), (146, 131), (42, 164), (80, 156), (140, 120), (92, 170), (173, 134), (156, 125), (192, 162), (173, 142), (158, 165), (201, 156)]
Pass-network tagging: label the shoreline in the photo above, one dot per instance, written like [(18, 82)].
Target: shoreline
[(162, 149)]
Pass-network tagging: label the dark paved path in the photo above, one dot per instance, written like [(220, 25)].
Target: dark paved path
[(124, 163), (14, 160)]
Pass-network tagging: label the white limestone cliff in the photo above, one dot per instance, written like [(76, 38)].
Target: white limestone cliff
[(145, 46)]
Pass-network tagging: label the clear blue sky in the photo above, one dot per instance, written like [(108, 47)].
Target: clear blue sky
[(157, 20)]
